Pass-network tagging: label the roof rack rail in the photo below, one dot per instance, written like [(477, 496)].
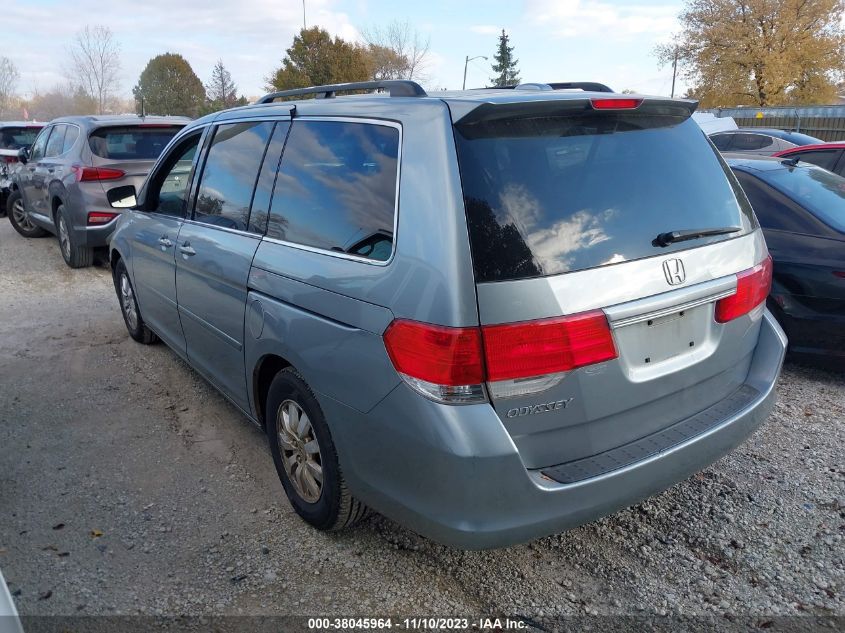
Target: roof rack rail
[(395, 87), (586, 86)]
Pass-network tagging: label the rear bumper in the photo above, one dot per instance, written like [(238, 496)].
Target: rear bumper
[(816, 335), (454, 475), (96, 236)]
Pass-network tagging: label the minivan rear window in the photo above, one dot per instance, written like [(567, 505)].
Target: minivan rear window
[(17, 137), (131, 142), (554, 194)]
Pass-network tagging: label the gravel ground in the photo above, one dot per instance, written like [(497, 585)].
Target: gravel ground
[(129, 486)]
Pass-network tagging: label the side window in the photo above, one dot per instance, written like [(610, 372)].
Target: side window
[(168, 193), (39, 145), (752, 142), (773, 209), (336, 188), (71, 134), (260, 209), (825, 158), (56, 142), (230, 172), (722, 141)]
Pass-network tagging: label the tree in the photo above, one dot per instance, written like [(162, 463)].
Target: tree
[(61, 100), (168, 85), (505, 66), (9, 77), (315, 58), (95, 64), (759, 52), (221, 91), (398, 51)]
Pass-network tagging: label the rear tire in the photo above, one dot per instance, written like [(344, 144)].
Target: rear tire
[(138, 330), (18, 218), (305, 455), (74, 254)]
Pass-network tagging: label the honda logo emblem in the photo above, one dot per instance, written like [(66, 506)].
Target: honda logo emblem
[(674, 271)]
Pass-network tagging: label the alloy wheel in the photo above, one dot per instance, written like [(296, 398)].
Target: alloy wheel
[(21, 216), (127, 302), (64, 238), (300, 451)]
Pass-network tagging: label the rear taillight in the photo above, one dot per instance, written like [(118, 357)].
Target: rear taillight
[(839, 273), (752, 288), (451, 364), (10, 159), (615, 104), (443, 363), (89, 174), (100, 217)]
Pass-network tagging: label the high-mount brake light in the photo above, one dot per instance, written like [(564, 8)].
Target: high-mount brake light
[(90, 174), (752, 288), (452, 364), (615, 104)]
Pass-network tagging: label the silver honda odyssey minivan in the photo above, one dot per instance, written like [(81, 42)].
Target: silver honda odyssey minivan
[(490, 315)]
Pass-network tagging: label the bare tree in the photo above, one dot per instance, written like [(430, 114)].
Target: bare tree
[(406, 43), (95, 63), (9, 77)]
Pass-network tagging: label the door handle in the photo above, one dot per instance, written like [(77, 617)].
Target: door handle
[(187, 250), (164, 241)]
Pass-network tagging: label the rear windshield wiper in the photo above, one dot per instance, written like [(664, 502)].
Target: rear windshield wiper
[(664, 239)]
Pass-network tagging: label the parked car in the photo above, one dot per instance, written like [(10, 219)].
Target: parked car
[(14, 136), (801, 208), (760, 141), (425, 300), (76, 179), (826, 155)]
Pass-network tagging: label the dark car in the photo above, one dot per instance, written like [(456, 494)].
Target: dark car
[(760, 141), (801, 208), (826, 155), (81, 173), (14, 136)]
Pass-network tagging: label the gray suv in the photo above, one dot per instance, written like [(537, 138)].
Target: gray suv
[(490, 315), (80, 173)]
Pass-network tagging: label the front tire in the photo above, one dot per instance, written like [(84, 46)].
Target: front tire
[(75, 255), (19, 219), (305, 455), (138, 330)]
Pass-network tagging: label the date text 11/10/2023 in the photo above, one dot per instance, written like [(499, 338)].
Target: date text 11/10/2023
[(416, 624)]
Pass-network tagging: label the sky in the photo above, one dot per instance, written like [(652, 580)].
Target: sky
[(610, 41)]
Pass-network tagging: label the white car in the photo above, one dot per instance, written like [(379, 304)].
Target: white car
[(14, 135)]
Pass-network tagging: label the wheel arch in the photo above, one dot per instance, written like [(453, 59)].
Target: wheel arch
[(262, 376)]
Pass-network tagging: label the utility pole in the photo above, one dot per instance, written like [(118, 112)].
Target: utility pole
[(466, 63), (674, 69), (304, 26)]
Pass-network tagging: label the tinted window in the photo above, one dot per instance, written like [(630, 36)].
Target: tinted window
[(336, 188), (56, 142), (550, 195), (131, 143), (802, 139), (773, 209), (266, 179), (722, 141), (825, 158), (39, 145), (231, 169), (71, 134), (169, 189), (17, 137), (751, 142), (817, 190)]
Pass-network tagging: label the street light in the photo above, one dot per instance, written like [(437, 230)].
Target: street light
[(466, 63)]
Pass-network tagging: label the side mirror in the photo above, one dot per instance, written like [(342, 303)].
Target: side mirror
[(122, 197), (23, 155)]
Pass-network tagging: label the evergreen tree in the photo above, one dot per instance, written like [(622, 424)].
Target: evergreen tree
[(505, 66), (168, 85), (221, 91)]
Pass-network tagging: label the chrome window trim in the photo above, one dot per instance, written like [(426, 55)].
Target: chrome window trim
[(221, 228), (357, 258)]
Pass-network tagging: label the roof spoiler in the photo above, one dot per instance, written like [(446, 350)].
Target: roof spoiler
[(652, 106), (586, 86), (394, 87)]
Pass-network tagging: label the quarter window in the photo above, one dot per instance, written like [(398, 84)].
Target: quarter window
[(71, 134), (231, 169), (39, 145), (336, 188)]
